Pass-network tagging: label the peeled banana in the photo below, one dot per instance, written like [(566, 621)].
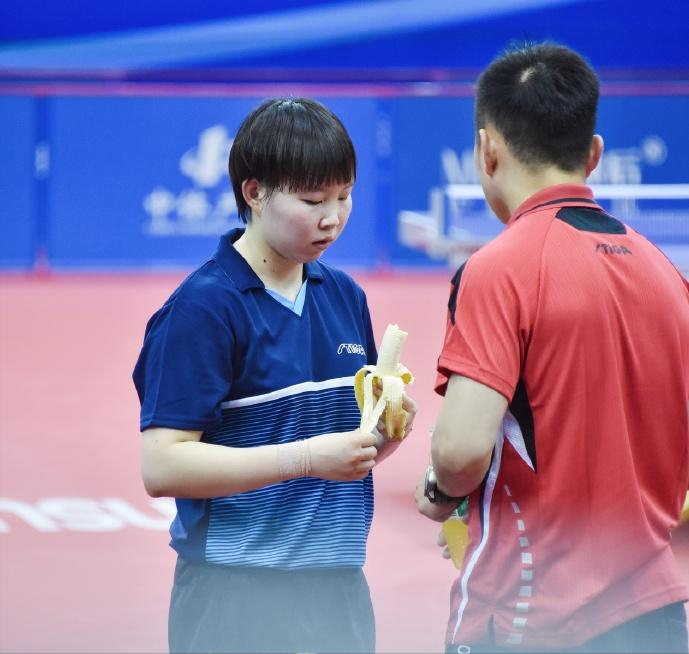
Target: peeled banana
[(391, 377)]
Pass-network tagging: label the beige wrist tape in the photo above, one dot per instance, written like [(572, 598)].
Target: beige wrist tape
[(294, 459)]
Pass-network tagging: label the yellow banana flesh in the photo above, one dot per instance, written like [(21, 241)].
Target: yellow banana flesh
[(390, 376)]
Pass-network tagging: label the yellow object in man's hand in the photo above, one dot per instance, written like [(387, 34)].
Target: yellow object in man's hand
[(456, 532), (684, 515)]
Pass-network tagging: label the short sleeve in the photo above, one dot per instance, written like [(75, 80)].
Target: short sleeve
[(184, 370), (371, 350), (487, 327)]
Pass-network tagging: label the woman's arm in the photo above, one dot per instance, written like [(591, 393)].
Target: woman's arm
[(175, 463)]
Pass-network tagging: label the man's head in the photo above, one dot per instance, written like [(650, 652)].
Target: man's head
[(542, 99), (293, 145)]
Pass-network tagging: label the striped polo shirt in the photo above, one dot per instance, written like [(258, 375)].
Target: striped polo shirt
[(583, 325), (226, 357)]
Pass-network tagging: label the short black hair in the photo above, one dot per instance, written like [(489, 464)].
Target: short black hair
[(543, 99), (295, 144)]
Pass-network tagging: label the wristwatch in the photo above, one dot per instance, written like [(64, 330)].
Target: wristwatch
[(433, 493)]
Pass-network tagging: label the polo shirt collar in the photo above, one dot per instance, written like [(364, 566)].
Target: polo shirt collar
[(234, 265), (561, 194)]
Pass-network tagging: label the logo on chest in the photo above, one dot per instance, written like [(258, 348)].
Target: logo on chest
[(608, 248), (351, 348)]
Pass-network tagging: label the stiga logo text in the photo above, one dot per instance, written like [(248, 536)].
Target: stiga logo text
[(607, 248), (351, 348)]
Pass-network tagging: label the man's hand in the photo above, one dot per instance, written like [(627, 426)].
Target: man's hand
[(342, 456), (438, 511)]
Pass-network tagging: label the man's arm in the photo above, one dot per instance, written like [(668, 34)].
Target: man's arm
[(468, 425)]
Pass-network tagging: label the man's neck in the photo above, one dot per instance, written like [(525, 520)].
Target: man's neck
[(525, 184)]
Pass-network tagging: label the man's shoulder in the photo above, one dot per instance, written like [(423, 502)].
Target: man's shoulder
[(513, 248)]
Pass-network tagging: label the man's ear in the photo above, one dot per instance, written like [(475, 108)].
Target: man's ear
[(595, 153), (253, 195), (487, 155)]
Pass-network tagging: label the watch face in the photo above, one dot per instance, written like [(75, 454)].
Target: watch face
[(430, 485)]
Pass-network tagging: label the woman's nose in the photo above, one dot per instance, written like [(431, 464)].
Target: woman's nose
[(331, 218)]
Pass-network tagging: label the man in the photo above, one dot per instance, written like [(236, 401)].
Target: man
[(565, 372)]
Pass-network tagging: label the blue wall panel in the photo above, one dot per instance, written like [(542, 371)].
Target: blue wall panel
[(434, 141), (17, 191), (646, 142), (120, 194), (143, 182)]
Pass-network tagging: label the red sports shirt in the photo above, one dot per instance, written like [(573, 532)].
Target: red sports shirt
[(584, 326)]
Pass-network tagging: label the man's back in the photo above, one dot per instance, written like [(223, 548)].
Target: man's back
[(580, 328), (586, 327)]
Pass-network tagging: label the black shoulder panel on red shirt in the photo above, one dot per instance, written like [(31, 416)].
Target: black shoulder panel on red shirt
[(591, 220)]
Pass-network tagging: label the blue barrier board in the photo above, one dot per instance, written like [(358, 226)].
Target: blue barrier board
[(17, 182), (141, 183)]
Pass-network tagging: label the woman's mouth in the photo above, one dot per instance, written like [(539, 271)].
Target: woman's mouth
[(323, 243)]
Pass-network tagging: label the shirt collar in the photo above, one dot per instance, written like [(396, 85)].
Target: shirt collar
[(235, 266), (570, 195)]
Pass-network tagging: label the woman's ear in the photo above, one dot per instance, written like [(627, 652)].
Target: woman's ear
[(253, 195)]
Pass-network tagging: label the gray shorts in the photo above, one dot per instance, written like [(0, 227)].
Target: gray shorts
[(217, 608)]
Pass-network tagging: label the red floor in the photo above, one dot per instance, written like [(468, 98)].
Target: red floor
[(84, 561)]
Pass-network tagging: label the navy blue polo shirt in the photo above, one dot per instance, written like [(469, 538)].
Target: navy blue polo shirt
[(225, 357)]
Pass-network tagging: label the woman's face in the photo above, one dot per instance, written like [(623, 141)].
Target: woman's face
[(301, 225)]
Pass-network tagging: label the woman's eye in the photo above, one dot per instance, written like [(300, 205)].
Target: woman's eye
[(312, 203)]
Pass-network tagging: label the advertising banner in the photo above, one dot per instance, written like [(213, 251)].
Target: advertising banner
[(441, 215), (143, 183)]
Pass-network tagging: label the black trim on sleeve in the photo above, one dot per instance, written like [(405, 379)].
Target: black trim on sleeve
[(521, 410), (452, 303)]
